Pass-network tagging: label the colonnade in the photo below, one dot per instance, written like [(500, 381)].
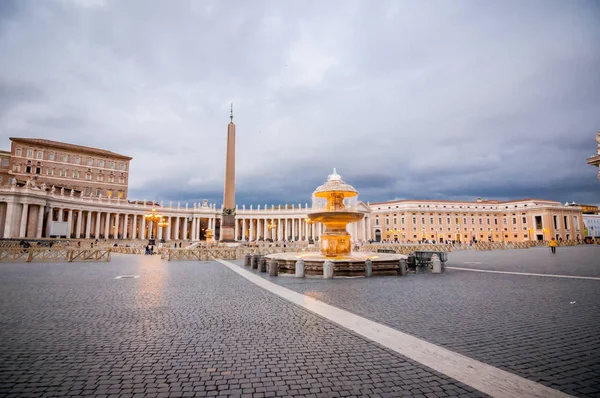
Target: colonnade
[(289, 228)]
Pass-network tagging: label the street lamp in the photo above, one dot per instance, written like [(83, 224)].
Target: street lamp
[(154, 217)]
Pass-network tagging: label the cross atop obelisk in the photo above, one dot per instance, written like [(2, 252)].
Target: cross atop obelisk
[(228, 216)]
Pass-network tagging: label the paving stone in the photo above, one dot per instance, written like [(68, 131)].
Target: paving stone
[(180, 329), (522, 324)]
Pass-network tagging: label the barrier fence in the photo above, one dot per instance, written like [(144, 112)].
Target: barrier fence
[(34, 254)]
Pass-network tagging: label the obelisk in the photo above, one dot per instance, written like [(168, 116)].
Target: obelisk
[(228, 216)]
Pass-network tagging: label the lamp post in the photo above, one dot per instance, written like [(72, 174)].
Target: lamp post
[(154, 217)]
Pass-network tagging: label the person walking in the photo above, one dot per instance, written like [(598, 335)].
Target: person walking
[(553, 245)]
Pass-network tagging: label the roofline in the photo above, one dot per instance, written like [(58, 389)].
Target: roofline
[(484, 202), (75, 147)]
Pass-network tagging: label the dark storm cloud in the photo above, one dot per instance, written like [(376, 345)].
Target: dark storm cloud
[(406, 99)]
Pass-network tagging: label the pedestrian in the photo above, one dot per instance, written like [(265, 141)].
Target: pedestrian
[(553, 245)]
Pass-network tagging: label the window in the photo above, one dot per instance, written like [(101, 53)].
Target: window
[(75, 173), (472, 221), (122, 180), (49, 171), (488, 221), (100, 163), (40, 155), (87, 191), (414, 220), (566, 222), (576, 223), (111, 164), (111, 178), (480, 221), (77, 160), (100, 177), (377, 221), (514, 220), (431, 220), (440, 220), (524, 220), (64, 157), (17, 167), (495, 221), (5, 162), (402, 220), (448, 221), (88, 176), (123, 166), (109, 193), (387, 221), (18, 152), (0, 180), (52, 156), (63, 172), (90, 162), (30, 153), (422, 220), (98, 191), (504, 221), (395, 220)]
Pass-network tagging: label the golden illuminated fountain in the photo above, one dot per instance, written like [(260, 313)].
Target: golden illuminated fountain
[(335, 205)]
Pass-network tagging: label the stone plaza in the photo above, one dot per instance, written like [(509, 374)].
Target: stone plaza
[(139, 326)]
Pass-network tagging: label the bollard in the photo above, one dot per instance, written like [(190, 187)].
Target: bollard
[(437, 264), (328, 269), (273, 268), (403, 266), (368, 268), (300, 268), (262, 264), (247, 258), (254, 261)]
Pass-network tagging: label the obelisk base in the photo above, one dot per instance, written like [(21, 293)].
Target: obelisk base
[(227, 228)]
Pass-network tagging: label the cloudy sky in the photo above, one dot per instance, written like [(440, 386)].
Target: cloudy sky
[(407, 99)]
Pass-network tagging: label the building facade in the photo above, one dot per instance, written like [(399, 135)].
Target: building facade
[(82, 170), (53, 189), (482, 220), (31, 212)]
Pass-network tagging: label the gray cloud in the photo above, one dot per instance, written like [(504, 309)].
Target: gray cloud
[(406, 99)]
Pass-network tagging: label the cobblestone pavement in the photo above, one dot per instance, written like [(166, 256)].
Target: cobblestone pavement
[(182, 329), (522, 324), (573, 260)]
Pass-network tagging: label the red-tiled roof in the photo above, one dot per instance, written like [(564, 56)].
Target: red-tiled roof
[(69, 147)]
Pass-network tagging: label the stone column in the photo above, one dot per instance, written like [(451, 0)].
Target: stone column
[(280, 230), (193, 228), (167, 233), (312, 231), (98, 219), (88, 225), (125, 225), (23, 226), (143, 228), (177, 235), (107, 226), (69, 222), (185, 227), (265, 228), (134, 228), (78, 225), (40, 222), (10, 207), (237, 230), (61, 217), (251, 238)]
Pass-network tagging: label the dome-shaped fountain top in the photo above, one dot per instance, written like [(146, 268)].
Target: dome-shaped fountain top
[(335, 184)]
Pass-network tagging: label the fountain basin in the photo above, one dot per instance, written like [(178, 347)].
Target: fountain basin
[(351, 264)]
